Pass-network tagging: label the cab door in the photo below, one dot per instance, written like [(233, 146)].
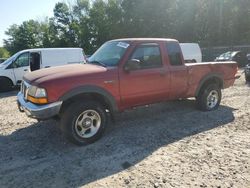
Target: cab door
[(21, 66), (147, 81)]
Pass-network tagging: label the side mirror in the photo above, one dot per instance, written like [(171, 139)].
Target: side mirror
[(133, 64)]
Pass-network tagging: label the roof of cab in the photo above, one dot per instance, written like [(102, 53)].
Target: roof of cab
[(47, 49), (145, 39)]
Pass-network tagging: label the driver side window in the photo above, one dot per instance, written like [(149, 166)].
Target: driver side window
[(22, 60), (148, 56)]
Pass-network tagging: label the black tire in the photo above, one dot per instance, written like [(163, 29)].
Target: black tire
[(71, 116), (5, 85), (203, 102)]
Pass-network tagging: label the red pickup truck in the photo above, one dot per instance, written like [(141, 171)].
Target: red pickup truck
[(120, 75)]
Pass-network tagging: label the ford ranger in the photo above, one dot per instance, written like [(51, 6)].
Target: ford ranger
[(120, 75)]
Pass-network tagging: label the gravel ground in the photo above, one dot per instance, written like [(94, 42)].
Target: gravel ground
[(165, 145)]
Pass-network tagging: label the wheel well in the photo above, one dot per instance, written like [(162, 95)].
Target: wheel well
[(212, 80), (88, 96), (4, 77)]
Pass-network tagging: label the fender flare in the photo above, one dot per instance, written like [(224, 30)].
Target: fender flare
[(91, 89), (208, 77)]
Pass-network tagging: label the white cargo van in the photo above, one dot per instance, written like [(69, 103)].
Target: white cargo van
[(14, 68), (191, 52)]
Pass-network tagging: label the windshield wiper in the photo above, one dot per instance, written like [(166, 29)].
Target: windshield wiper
[(97, 63)]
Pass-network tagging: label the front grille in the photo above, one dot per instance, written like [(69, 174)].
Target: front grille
[(22, 89)]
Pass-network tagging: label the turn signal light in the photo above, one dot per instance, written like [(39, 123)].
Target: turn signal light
[(37, 100)]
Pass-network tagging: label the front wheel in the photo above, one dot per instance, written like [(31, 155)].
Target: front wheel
[(84, 123), (209, 98)]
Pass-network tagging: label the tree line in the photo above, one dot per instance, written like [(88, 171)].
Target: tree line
[(89, 23)]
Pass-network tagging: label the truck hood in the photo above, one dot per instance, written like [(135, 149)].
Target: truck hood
[(63, 72)]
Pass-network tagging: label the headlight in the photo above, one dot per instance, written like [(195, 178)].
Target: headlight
[(37, 95), (37, 92)]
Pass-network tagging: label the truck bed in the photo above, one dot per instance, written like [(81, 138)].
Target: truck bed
[(200, 71)]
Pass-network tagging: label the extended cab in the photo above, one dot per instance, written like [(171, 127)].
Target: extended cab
[(120, 75)]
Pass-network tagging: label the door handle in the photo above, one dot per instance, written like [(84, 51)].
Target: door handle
[(163, 73), (47, 67), (25, 70)]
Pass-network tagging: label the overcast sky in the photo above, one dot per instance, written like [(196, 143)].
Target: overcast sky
[(17, 11)]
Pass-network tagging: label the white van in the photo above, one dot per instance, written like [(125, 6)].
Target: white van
[(14, 68), (191, 52)]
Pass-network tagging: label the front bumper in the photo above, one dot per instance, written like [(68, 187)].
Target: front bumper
[(40, 112)]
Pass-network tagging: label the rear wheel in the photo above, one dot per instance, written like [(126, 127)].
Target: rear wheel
[(209, 97), (84, 123), (5, 85)]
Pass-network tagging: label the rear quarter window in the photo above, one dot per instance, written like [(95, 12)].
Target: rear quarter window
[(174, 53)]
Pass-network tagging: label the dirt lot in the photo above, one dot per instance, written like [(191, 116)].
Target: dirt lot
[(166, 145)]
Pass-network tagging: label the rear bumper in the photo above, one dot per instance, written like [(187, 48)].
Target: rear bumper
[(239, 74), (40, 112)]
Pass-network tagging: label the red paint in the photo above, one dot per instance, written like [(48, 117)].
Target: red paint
[(136, 87)]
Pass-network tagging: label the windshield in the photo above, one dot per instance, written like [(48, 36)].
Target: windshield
[(109, 54), (226, 55), (6, 62)]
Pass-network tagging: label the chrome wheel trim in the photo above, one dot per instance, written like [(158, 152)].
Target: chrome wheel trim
[(212, 99), (87, 124)]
